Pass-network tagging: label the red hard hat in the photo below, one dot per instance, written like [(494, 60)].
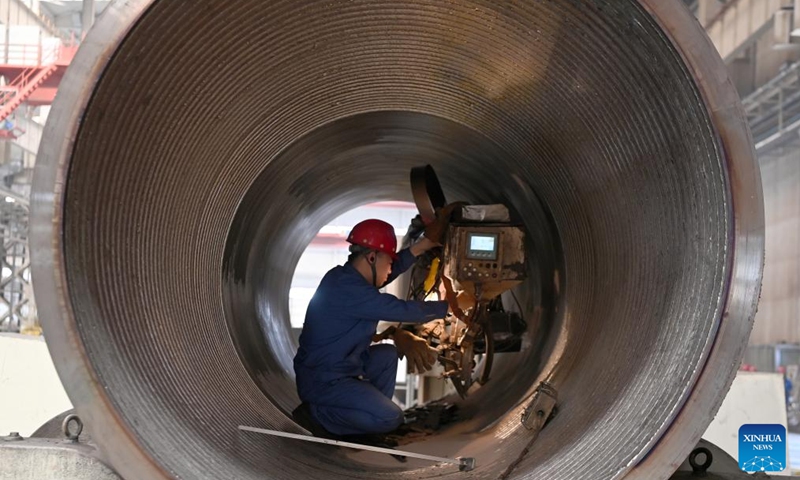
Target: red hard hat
[(375, 235)]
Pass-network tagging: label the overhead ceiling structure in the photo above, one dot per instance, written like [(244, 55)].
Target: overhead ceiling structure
[(68, 14), (773, 113), (193, 153), (67, 7)]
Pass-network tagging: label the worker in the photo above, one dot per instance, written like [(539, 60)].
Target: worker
[(787, 384), (345, 383)]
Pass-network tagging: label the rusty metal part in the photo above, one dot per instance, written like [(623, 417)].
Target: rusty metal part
[(466, 345), (458, 349), (181, 175), (452, 299), (427, 192)]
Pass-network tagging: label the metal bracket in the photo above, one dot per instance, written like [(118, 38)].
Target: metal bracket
[(12, 437), (540, 408), (72, 436)]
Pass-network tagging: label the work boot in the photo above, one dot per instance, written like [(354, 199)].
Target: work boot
[(302, 415), (374, 440)]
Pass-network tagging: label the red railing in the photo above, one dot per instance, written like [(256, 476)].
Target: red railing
[(44, 52), (33, 64), (13, 94), (28, 54)]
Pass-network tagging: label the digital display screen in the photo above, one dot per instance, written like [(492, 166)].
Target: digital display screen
[(482, 246), (482, 243)]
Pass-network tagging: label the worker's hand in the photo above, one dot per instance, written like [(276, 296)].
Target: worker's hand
[(379, 337), (421, 357), (436, 230), (423, 245)]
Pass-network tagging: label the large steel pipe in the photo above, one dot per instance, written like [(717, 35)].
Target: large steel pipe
[(196, 147)]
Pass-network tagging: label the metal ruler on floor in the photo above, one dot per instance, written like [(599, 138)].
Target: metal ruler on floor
[(465, 464)]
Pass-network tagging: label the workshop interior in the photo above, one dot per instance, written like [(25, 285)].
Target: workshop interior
[(618, 180)]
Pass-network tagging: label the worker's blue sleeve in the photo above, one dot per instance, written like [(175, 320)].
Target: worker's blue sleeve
[(370, 304), (405, 259)]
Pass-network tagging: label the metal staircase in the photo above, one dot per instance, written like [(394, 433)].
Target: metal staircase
[(32, 73), (16, 92)]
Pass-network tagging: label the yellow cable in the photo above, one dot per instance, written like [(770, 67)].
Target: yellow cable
[(431, 278)]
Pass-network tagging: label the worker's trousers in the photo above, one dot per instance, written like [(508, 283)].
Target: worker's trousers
[(351, 406)]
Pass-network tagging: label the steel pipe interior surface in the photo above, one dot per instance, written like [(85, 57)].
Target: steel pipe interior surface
[(197, 147)]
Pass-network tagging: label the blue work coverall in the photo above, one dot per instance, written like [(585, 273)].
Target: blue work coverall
[(347, 383)]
